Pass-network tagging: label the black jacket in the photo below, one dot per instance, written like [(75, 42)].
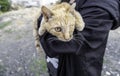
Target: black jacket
[(83, 56)]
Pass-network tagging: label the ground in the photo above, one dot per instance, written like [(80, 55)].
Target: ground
[(18, 56)]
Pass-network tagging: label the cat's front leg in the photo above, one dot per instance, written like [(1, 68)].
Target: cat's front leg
[(79, 22), (41, 30)]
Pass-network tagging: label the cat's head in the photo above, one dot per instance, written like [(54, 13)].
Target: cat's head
[(61, 27), (59, 21)]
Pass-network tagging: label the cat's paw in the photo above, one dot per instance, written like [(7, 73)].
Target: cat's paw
[(80, 26), (41, 31)]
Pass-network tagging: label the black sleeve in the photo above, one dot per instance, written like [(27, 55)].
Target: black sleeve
[(97, 25)]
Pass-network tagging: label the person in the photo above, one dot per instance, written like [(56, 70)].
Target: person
[(83, 56)]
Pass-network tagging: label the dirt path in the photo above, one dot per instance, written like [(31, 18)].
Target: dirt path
[(17, 51), (18, 55)]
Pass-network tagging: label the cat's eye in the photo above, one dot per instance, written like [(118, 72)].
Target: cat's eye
[(58, 29)]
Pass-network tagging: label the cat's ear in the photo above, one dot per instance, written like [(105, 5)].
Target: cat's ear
[(46, 13), (72, 8), (73, 5), (67, 6)]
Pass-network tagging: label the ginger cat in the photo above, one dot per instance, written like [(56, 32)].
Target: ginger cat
[(59, 20)]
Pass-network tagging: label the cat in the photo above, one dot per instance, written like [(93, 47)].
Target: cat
[(59, 20)]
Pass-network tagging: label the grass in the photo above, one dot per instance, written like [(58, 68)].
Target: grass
[(4, 24), (18, 37), (2, 70), (38, 67), (8, 31), (1, 12)]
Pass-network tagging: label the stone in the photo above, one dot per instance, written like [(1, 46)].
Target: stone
[(108, 73)]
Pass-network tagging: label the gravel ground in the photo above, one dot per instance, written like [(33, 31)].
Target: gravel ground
[(17, 51), (112, 56)]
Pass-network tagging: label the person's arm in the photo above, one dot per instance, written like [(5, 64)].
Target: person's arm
[(98, 22), (52, 45)]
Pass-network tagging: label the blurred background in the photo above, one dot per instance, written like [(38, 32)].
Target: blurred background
[(18, 56)]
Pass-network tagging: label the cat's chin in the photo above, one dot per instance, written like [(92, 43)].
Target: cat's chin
[(65, 40)]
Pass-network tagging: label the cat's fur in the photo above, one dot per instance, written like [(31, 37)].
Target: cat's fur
[(59, 20)]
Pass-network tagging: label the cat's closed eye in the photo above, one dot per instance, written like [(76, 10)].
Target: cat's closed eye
[(58, 29)]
